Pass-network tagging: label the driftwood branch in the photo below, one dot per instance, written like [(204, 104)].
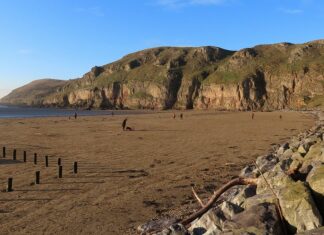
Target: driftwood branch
[(197, 197), (216, 195)]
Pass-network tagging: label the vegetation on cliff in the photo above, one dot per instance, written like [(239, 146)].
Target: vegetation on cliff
[(264, 77)]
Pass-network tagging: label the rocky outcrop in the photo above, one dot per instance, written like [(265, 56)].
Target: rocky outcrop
[(285, 195), (264, 77)]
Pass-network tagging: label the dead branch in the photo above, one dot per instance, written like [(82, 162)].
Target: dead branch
[(197, 197), (216, 195)]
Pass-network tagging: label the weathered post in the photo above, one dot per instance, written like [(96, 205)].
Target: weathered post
[(75, 167), (9, 185), (60, 171), (37, 181), (14, 155), (59, 161), (35, 158), (46, 161), (25, 156), (3, 152)]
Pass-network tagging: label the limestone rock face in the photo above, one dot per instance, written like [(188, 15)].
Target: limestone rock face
[(264, 77)]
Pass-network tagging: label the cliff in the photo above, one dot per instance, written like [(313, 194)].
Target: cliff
[(264, 77)]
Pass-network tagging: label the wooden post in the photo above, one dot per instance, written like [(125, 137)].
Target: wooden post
[(3, 152), (25, 156), (35, 158), (46, 161), (37, 181), (14, 155), (75, 167), (9, 185), (59, 161), (60, 171)]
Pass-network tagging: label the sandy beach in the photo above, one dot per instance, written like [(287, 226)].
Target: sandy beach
[(127, 177)]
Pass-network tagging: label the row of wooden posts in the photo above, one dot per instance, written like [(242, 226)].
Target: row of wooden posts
[(37, 173)]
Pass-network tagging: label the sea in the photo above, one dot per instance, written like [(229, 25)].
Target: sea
[(31, 112)]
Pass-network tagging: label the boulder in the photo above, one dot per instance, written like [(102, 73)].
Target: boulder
[(315, 180), (156, 225), (303, 149), (238, 194), (248, 171), (318, 231), (314, 156), (258, 199), (298, 207), (297, 161), (266, 162), (297, 204), (258, 219), (316, 152), (175, 229), (208, 224), (287, 154), (229, 209)]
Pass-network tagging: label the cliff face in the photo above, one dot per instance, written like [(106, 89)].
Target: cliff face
[(265, 77)]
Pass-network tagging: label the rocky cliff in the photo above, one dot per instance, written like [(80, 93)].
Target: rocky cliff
[(264, 77)]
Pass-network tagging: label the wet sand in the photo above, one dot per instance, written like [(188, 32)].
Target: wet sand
[(126, 178)]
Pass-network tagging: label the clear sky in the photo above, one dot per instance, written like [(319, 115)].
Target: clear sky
[(63, 39)]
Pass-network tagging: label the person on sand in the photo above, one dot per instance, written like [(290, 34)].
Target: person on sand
[(75, 115), (174, 115), (181, 116), (252, 116), (124, 124), (280, 117)]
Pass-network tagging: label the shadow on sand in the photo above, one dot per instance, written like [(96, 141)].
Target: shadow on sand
[(9, 161)]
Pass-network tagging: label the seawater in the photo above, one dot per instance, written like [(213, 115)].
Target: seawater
[(28, 112)]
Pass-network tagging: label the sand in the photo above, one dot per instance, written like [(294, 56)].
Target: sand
[(126, 178)]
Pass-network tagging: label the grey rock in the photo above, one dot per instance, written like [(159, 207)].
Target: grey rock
[(248, 171), (229, 209), (210, 223), (297, 204), (315, 180), (175, 229), (258, 219), (318, 231), (266, 162), (156, 225)]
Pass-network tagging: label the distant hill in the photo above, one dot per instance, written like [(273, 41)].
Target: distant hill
[(33, 93), (264, 77)]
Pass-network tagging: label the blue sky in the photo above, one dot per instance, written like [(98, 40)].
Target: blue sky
[(63, 39)]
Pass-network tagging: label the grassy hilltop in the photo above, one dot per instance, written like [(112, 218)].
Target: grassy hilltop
[(264, 77)]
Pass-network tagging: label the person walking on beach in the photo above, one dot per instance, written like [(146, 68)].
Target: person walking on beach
[(252, 116), (181, 116), (124, 124), (75, 115)]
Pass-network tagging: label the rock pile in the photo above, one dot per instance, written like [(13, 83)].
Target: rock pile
[(288, 197)]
